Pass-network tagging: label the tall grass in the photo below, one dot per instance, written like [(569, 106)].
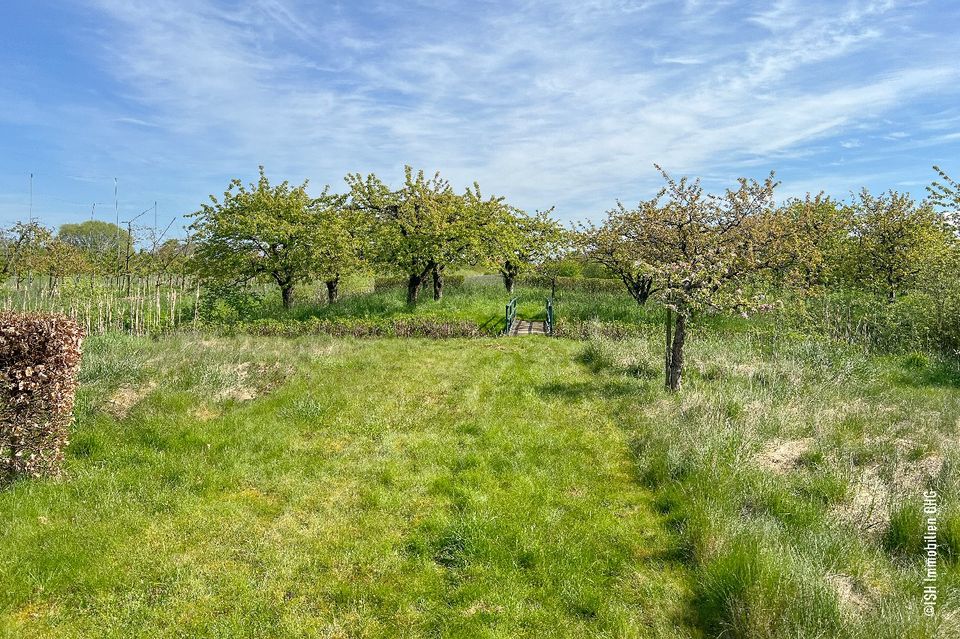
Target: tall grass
[(791, 471)]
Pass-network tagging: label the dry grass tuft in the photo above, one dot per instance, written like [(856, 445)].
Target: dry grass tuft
[(868, 508), (851, 597), (781, 456), (126, 397)]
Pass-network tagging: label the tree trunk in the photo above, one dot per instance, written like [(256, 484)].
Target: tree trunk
[(509, 272), (286, 291), (438, 283), (333, 290), (668, 325), (639, 288), (413, 288), (675, 367)]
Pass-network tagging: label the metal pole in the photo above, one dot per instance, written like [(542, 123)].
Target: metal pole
[(116, 211)]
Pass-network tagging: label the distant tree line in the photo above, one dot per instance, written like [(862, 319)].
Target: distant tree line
[(693, 251), (419, 230), (93, 249), (686, 249)]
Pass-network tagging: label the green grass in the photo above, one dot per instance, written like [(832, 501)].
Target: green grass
[(386, 488), (481, 300), (492, 487), (793, 473)]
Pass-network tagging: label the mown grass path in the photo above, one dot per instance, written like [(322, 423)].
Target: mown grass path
[(391, 488)]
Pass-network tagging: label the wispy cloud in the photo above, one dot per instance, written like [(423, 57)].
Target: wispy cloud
[(548, 103)]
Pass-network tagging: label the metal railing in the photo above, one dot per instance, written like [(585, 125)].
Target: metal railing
[(549, 322), (511, 315)]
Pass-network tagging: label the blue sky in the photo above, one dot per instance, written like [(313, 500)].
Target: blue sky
[(547, 103)]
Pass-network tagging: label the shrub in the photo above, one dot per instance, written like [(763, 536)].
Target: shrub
[(221, 304), (917, 322), (435, 328), (381, 284), (39, 360)]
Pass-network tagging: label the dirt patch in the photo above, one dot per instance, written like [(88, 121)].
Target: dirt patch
[(251, 380), (781, 456), (237, 394), (910, 475), (126, 397)]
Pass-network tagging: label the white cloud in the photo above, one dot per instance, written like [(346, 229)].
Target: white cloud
[(568, 103)]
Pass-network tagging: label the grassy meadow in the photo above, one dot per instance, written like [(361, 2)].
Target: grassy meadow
[(480, 300), (225, 486)]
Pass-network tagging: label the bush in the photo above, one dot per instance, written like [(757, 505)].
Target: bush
[(39, 360), (381, 284), (228, 304), (919, 321)]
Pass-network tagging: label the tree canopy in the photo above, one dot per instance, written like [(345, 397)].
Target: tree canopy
[(424, 226), (689, 247), (102, 242), (945, 194), (262, 229), (897, 239), (522, 242)]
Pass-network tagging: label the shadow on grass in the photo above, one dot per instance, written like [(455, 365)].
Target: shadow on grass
[(579, 391), (917, 370), (492, 325)]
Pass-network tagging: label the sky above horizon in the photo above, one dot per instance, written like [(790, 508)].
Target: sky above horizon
[(565, 104)]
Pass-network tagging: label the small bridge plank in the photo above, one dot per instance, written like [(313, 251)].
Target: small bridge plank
[(525, 327)]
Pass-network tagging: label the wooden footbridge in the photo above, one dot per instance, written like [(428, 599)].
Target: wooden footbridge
[(517, 327)]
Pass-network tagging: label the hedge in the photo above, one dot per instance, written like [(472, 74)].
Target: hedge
[(347, 327), (596, 285), (381, 284), (39, 360)]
